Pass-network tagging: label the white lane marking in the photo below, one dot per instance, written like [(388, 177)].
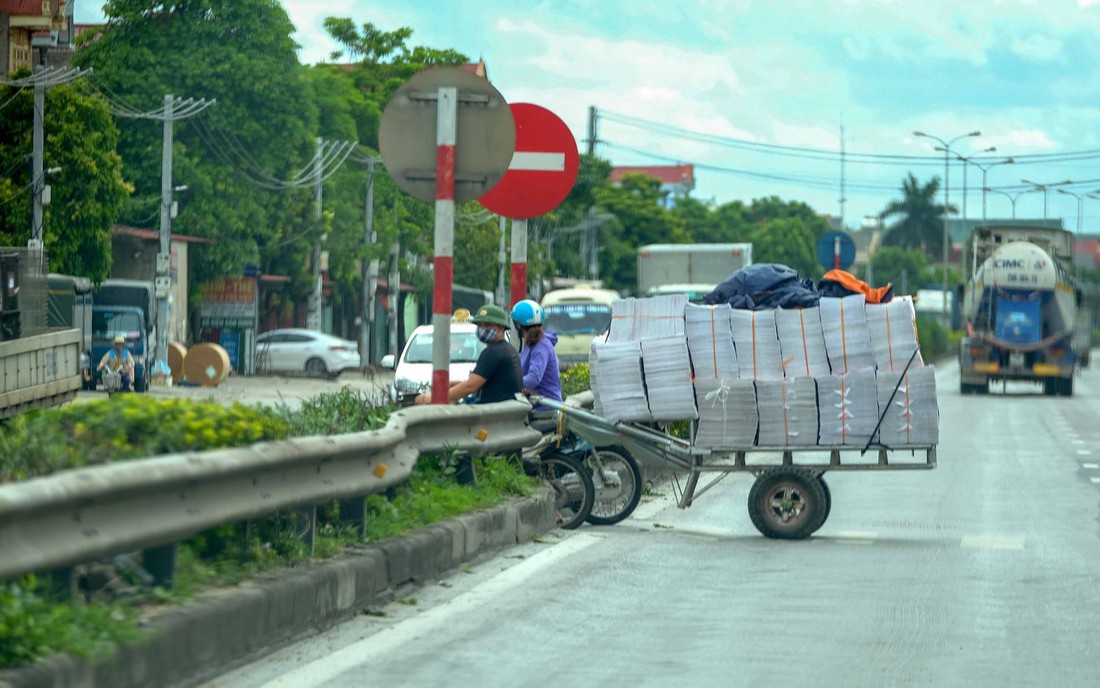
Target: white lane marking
[(531, 161), (992, 542), (1077, 441), (853, 535), (360, 653), (1095, 480), (1083, 452), (1092, 466)]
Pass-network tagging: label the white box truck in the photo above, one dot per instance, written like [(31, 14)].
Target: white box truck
[(692, 269)]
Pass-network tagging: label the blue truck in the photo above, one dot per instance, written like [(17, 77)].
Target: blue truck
[(126, 308)]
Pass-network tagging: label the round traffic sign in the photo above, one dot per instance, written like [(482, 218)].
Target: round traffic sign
[(543, 168), (485, 137), (834, 245)]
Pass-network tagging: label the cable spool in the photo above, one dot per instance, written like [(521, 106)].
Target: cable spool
[(206, 364), (176, 354)]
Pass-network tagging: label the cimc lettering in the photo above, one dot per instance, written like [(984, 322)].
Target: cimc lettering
[(1009, 263)]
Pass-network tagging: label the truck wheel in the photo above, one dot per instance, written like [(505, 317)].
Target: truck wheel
[(787, 503), (828, 499), (1066, 388), (1051, 387), (139, 384)]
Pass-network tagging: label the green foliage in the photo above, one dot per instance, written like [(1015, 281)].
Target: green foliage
[(88, 193), (32, 625), (338, 413), (126, 426), (790, 241), (575, 379), (934, 339), (899, 267)]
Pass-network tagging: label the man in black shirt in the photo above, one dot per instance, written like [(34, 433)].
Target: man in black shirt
[(497, 376)]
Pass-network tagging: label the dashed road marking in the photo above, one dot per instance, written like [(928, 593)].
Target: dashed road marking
[(1006, 542), (1091, 466), (1095, 480), (1077, 441), (1083, 452)]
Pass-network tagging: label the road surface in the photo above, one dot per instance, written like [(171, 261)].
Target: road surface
[(983, 572)]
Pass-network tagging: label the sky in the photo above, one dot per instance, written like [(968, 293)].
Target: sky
[(750, 75)]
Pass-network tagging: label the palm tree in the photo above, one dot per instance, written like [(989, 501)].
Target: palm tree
[(920, 223)]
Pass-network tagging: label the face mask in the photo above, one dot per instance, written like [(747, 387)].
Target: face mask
[(487, 335)]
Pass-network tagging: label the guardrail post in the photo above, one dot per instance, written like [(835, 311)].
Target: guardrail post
[(464, 470), (160, 563), (353, 512), (305, 522)]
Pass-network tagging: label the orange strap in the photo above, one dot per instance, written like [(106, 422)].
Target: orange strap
[(843, 336), (805, 349), (786, 428), (843, 413)]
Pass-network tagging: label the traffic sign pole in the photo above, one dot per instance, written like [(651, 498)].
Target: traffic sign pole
[(446, 125), (519, 261), (836, 253)]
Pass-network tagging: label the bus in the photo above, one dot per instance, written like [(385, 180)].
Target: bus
[(577, 315)]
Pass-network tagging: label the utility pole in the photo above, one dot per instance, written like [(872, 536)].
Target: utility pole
[(38, 151), (394, 280), (592, 126), (370, 275), (164, 257), (313, 318), (843, 161)]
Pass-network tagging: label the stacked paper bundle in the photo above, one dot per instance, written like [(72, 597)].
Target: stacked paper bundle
[(802, 342), (727, 414), (667, 371), (657, 316), (912, 418), (893, 329), (847, 341), (788, 412), (710, 341), (848, 408), (758, 356), (616, 375)]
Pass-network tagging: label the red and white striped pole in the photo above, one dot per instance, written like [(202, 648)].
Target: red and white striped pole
[(519, 261), (446, 126)]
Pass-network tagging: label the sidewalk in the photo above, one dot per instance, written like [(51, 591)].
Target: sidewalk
[(270, 389)]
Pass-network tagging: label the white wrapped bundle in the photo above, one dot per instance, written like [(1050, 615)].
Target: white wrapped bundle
[(847, 341), (758, 356), (616, 376), (847, 408), (667, 371), (787, 411), (802, 342), (727, 414), (710, 341), (913, 417), (893, 329), (657, 316)]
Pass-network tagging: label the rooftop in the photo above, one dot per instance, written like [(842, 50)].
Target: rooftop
[(683, 175)]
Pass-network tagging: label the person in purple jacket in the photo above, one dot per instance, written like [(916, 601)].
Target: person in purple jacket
[(537, 358)]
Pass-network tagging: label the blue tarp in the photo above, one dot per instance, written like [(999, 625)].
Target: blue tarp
[(764, 286)]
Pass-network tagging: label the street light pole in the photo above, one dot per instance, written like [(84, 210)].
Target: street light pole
[(985, 184), (1045, 188), (946, 199)]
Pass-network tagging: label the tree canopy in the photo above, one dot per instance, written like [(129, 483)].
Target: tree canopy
[(919, 221), (88, 192)]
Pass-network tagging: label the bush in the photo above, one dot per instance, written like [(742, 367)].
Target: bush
[(934, 338), (575, 380)]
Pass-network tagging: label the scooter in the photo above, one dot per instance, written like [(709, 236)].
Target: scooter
[(112, 381)]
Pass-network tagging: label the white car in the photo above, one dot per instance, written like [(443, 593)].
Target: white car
[(413, 372), (296, 351)]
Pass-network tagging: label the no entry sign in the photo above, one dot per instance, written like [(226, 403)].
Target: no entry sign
[(543, 168)]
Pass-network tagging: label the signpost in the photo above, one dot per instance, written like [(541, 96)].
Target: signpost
[(446, 135), (836, 251), (542, 173)]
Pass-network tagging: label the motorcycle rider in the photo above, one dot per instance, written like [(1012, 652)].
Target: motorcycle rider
[(119, 360), (538, 359), (496, 375)]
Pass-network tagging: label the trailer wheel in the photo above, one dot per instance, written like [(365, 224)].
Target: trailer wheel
[(828, 501), (1066, 387), (787, 503)]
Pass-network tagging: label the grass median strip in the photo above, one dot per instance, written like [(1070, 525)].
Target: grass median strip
[(33, 624)]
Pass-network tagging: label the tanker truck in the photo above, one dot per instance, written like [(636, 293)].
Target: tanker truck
[(1020, 307)]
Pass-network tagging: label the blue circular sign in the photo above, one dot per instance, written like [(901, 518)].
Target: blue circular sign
[(827, 250)]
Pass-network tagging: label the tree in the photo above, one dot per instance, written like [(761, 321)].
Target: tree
[(265, 121), (901, 267), (787, 240), (640, 220), (88, 192), (920, 223)]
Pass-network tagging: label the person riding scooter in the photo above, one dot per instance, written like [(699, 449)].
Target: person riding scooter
[(496, 376), (118, 360), (538, 359)]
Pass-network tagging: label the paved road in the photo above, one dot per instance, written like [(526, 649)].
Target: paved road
[(981, 573)]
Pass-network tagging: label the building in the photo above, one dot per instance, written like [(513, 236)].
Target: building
[(677, 181), (23, 21), (135, 257)]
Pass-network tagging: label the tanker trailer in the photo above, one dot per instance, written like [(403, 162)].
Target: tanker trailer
[(1020, 308)]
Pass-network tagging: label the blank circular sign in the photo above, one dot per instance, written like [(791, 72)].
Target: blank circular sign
[(486, 134)]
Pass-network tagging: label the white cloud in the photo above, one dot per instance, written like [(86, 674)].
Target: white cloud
[(1020, 141), (810, 137), (1038, 48)]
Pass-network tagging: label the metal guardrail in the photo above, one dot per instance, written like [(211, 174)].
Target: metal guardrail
[(89, 513)]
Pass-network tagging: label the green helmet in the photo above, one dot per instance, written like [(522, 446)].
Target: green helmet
[(491, 314)]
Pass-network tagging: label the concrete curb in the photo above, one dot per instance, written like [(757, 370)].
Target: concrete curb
[(226, 628)]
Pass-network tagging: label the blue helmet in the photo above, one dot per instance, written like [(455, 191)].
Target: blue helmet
[(527, 313)]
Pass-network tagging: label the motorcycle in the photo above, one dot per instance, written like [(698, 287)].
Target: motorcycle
[(112, 381)]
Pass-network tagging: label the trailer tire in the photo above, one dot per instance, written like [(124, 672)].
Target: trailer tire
[(787, 503), (828, 501), (1066, 387)]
